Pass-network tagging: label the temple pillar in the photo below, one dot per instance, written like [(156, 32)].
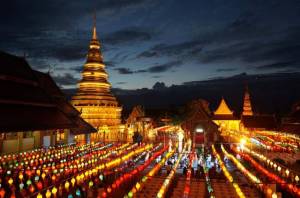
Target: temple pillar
[(37, 139), (20, 141), (87, 138), (70, 137)]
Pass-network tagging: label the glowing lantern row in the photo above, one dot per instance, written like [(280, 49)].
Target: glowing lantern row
[(39, 184), (84, 176), (150, 174), (50, 157), (277, 167), (227, 174), (207, 180), (289, 187), (162, 191), (127, 176), (187, 186), (268, 191)]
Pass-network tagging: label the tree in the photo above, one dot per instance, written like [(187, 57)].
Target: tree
[(159, 86)]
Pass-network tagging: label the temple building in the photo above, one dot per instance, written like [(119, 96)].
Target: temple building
[(198, 124), (94, 99), (224, 117), (138, 122), (34, 112)]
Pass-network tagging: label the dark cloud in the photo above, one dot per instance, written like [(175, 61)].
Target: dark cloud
[(109, 63), (65, 79), (279, 65), (153, 69), (226, 69), (68, 53), (123, 70), (39, 64), (184, 49), (57, 13), (121, 83), (77, 68), (156, 76), (163, 67), (282, 50), (127, 35)]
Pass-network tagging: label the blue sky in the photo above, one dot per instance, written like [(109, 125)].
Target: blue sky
[(145, 41)]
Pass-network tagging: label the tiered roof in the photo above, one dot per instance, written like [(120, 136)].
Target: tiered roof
[(26, 102), (223, 112)]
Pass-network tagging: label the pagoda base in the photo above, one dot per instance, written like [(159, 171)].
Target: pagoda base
[(104, 134)]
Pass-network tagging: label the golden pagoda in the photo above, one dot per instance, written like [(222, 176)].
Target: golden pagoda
[(94, 99), (247, 109)]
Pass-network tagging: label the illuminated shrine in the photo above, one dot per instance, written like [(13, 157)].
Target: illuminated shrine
[(94, 99), (224, 117)]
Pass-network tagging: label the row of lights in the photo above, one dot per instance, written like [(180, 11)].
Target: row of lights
[(227, 174), (268, 191), (289, 187), (284, 172), (149, 175), (163, 189)]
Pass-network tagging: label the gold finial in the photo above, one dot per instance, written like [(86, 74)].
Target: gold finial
[(94, 27)]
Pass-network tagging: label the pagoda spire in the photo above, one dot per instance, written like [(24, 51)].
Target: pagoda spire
[(94, 28), (247, 108)]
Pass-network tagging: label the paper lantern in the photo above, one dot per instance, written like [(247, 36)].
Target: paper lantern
[(73, 181), (48, 194), (54, 190), (10, 181)]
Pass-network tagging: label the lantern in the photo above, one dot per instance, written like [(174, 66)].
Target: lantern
[(73, 181), (297, 178), (48, 194), (287, 172), (67, 185), (54, 190), (10, 181)]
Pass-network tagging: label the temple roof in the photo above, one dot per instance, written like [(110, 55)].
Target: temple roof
[(82, 127), (223, 112), (28, 99), (223, 109)]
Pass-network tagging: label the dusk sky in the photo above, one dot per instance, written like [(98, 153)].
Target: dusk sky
[(145, 41)]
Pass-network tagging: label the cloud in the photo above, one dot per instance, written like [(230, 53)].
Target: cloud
[(123, 70), (77, 68), (153, 69), (163, 67), (279, 65), (121, 83), (39, 63), (127, 35), (62, 15), (184, 49), (156, 76), (226, 69), (109, 63), (65, 79)]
